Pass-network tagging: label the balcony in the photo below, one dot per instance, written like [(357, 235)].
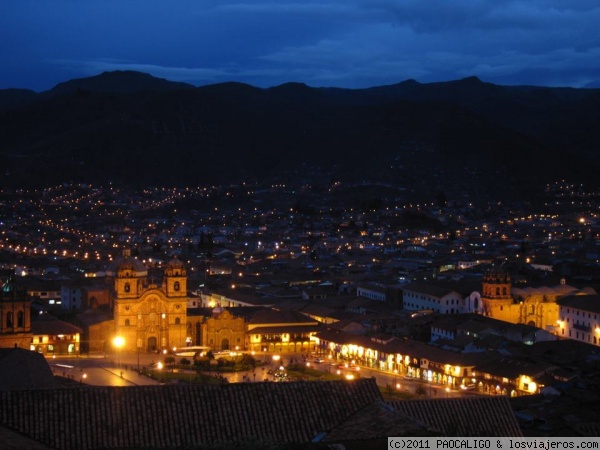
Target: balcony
[(582, 327)]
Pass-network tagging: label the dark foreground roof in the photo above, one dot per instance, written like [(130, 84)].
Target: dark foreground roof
[(24, 369), (182, 416), (468, 416)]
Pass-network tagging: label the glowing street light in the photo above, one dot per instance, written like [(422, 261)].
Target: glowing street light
[(118, 342), (159, 367)]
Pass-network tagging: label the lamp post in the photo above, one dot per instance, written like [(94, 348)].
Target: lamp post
[(139, 347), (276, 358), (118, 342), (159, 366)]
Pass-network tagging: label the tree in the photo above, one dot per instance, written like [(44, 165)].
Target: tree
[(169, 360)]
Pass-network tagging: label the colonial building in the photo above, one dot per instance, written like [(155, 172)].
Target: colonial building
[(531, 306), (51, 336), (15, 306), (256, 329), (580, 318), (433, 297), (224, 331), (148, 316)]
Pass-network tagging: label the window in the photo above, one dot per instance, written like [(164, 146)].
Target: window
[(9, 319), (127, 323), (176, 286), (20, 319), (177, 321), (127, 287)]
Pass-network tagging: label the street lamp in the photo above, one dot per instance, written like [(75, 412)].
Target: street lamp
[(139, 347), (118, 342), (159, 366), (276, 359)]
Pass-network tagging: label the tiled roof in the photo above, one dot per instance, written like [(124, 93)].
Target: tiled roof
[(286, 329), (433, 290), (378, 420), (14, 441), (53, 326), (24, 369), (184, 416), (513, 368), (589, 303), (469, 416), (272, 316)]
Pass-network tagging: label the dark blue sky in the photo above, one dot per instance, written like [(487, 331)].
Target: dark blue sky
[(341, 43)]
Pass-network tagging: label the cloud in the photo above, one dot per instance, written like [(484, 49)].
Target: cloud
[(93, 67), (351, 43)]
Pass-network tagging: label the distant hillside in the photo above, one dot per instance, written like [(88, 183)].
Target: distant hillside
[(464, 137)]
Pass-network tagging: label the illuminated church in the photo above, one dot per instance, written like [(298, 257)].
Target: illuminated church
[(148, 316), (535, 306)]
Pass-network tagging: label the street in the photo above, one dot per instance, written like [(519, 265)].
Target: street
[(121, 370)]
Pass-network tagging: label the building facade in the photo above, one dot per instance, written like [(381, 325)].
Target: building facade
[(428, 297), (15, 307), (223, 331), (580, 318), (530, 306), (148, 316)]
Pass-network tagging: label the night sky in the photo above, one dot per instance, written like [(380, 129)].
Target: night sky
[(338, 43)]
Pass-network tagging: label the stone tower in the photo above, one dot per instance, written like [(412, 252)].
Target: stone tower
[(496, 297)]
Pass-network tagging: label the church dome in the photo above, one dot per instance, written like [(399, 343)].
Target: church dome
[(174, 263), (175, 268), (128, 264)]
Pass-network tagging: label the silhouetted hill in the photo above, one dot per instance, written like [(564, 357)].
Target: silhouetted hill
[(120, 81), (14, 98), (464, 137)]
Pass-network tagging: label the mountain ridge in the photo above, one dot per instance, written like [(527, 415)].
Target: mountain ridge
[(433, 137)]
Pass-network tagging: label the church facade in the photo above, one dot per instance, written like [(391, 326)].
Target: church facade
[(530, 306), (147, 316)]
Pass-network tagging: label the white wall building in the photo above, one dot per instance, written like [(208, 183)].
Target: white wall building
[(420, 296), (371, 292), (579, 318)]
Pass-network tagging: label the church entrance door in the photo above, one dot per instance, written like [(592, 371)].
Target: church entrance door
[(152, 344)]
